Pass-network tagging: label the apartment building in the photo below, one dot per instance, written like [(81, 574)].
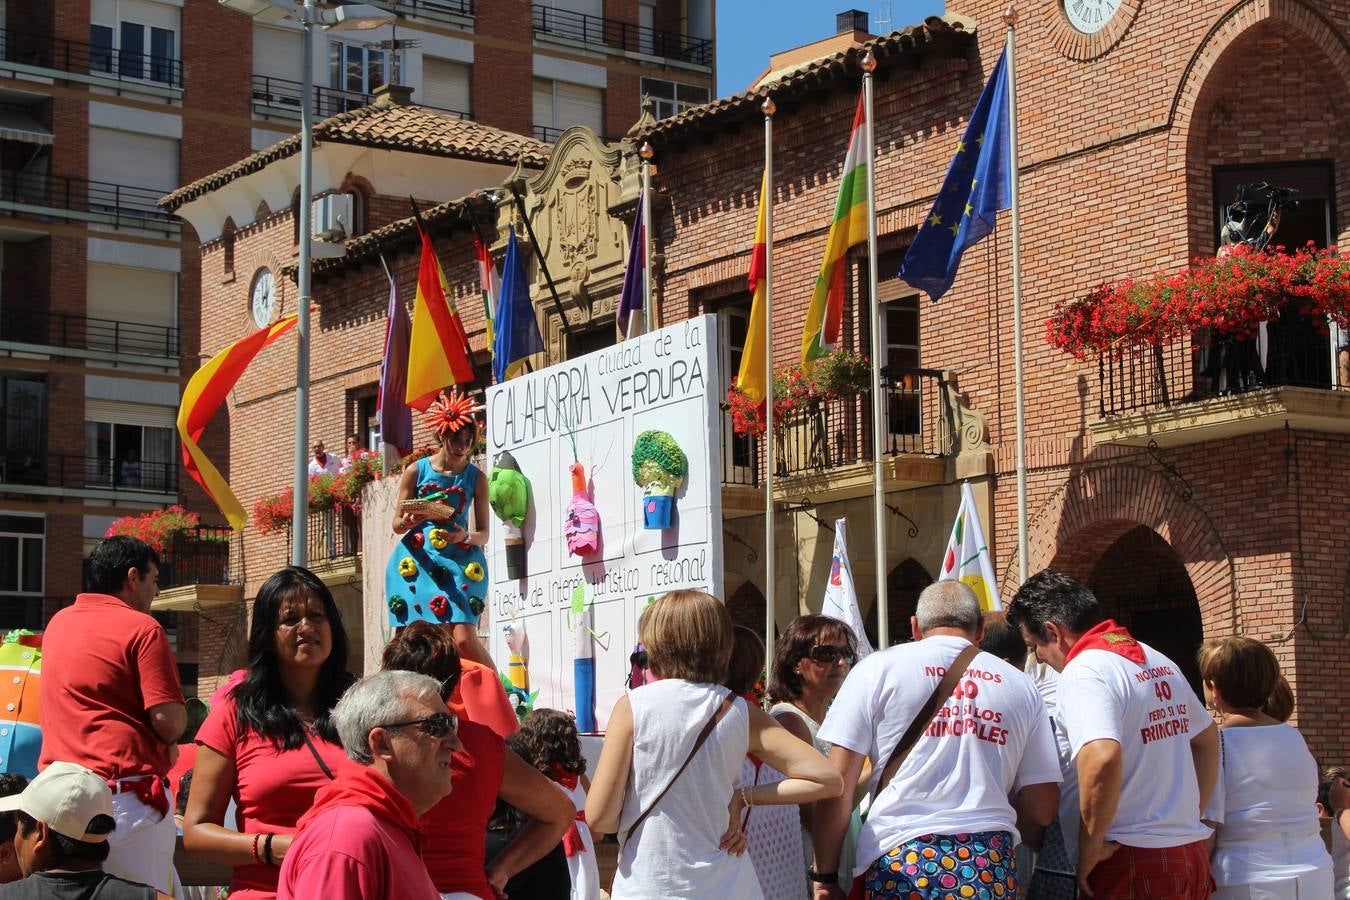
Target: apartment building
[(108, 105)]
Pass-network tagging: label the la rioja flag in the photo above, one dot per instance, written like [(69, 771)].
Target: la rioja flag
[(841, 600), (967, 558)]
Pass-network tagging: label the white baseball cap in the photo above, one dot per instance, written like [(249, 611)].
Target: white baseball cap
[(67, 797)]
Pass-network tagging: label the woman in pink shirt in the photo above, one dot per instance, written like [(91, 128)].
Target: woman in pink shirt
[(269, 742)]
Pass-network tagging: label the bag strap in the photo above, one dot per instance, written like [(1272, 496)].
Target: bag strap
[(925, 715), (323, 766), (698, 742)]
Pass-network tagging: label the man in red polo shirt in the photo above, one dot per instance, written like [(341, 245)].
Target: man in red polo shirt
[(110, 701)]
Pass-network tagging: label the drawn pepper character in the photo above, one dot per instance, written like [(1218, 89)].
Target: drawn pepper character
[(659, 468)]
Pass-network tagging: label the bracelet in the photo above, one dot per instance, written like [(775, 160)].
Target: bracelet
[(256, 857), (822, 877), (267, 849), (745, 799)]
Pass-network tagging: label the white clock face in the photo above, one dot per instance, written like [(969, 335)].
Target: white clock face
[(263, 299), (1090, 16)]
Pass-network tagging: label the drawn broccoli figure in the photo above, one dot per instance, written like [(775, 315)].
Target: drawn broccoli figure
[(659, 468)]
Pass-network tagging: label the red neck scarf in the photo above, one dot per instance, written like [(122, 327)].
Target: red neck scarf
[(1108, 636), (358, 785), (571, 841)]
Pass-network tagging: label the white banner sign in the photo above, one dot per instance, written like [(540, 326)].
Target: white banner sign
[(571, 430)]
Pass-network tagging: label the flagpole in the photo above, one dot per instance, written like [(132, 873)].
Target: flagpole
[(770, 601), (648, 311), (1010, 18), (869, 65)]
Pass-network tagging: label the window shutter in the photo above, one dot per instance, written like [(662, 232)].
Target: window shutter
[(445, 84)]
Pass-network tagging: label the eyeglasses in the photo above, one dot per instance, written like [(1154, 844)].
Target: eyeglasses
[(832, 653), (436, 725)]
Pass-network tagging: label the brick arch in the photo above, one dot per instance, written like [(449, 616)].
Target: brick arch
[(1094, 507), (1237, 22)]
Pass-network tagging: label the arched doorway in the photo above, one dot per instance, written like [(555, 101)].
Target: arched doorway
[(746, 606), (903, 586), (1143, 584)]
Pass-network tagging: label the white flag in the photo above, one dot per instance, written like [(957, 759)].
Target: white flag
[(841, 600), (967, 558)]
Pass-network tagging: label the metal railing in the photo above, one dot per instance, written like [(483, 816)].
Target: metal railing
[(284, 94), (205, 554), (125, 204), (833, 433), (602, 32), (1294, 352), (47, 52), (88, 472), (331, 534), (428, 8), (31, 326)]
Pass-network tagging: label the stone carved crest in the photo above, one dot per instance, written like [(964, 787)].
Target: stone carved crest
[(576, 212)]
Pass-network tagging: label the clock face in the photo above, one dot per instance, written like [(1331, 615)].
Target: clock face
[(263, 298), (1090, 16)]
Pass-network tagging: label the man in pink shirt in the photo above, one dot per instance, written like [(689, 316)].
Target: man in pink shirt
[(360, 840)]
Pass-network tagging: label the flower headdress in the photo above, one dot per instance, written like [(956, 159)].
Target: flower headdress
[(449, 413)]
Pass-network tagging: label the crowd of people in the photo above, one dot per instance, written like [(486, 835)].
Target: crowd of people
[(948, 766)]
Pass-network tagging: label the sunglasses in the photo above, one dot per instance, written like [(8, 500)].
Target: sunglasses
[(448, 687), (436, 725), (832, 653)]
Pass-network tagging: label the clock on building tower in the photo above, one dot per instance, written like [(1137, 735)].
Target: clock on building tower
[(263, 297), (1090, 16)]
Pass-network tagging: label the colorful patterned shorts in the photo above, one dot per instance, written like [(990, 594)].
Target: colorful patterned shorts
[(946, 867)]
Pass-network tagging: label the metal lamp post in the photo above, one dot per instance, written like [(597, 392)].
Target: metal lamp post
[(353, 17)]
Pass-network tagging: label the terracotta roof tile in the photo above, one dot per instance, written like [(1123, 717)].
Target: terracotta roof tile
[(390, 126), (950, 34)]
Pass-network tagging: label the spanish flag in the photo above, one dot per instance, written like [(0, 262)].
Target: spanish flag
[(825, 316), (490, 283), (750, 378), (438, 352), (204, 394)]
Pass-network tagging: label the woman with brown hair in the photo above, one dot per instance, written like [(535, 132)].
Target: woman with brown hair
[(673, 751), (1264, 808), (453, 831)]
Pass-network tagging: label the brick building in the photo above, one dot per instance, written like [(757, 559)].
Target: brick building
[(107, 105), (1191, 515)]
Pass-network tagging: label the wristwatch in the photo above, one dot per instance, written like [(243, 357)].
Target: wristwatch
[(822, 877)]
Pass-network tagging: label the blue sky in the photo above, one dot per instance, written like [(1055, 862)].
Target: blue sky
[(749, 30)]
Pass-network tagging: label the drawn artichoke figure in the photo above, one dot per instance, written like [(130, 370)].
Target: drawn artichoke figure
[(509, 494), (659, 468)]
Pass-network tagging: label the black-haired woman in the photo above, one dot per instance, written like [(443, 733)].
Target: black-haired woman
[(270, 742)]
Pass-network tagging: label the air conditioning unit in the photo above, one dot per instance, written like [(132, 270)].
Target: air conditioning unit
[(331, 224)]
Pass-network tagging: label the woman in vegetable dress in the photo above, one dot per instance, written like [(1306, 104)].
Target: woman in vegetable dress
[(438, 572)]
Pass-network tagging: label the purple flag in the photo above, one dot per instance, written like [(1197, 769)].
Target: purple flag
[(632, 308), (394, 416)]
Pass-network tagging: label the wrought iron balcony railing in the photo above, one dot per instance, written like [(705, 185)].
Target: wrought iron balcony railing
[(123, 204), (284, 95), (603, 32), (87, 473), (46, 52), (428, 8), (1294, 351), (74, 332), (206, 554), (331, 534), (829, 434)]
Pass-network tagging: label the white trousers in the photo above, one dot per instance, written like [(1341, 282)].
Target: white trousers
[(1309, 886), (141, 847)]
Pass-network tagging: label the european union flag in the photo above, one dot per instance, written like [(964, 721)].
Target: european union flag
[(977, 187), (517, 330)]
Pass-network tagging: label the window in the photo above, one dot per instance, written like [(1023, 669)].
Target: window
[(445, 85), (100, 48), (22, 561), (900, 343), (738, 450), (135, 39), (23, 412), (670, 98), (597, 337), (558, 105), (355, 68), (133, 457), (367, 423)]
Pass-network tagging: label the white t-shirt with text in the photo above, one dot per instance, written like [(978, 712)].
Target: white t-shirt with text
[(990, 738), (1152, 712)]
